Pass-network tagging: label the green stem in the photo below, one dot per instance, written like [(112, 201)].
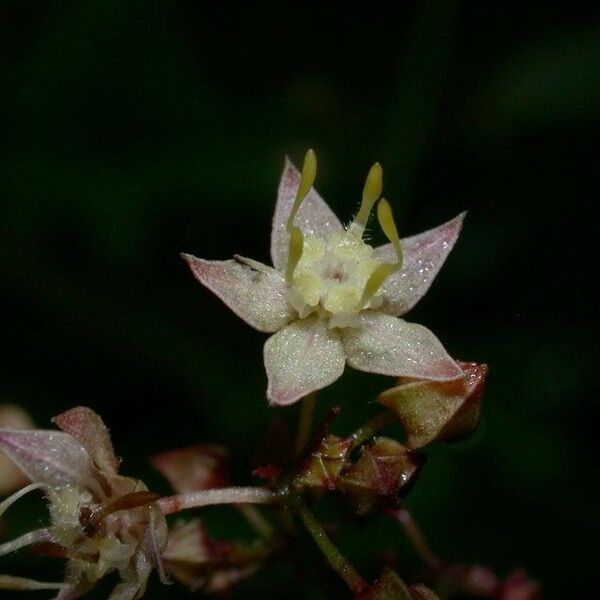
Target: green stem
[(335, 558), (370, 428), (305, 424)]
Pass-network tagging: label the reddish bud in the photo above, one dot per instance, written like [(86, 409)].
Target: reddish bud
[(384, 468), (325, 463), (438, 410)]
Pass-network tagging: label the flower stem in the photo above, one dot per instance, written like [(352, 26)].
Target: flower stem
[(232, 495), (416, 537), (20, 583), (370, 428), (307, 410), (335, 558)]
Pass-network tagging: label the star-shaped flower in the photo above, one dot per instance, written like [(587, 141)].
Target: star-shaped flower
[(101, 521), (331, 298)]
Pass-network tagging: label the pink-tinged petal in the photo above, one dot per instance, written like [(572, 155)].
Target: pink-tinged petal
[(188, 542), (391, 346), (303, 357), (89, 429), (11, 477), (253, 291), (53, 458), (143, 568), (76, 585), (194, 468), (424, 255), (314, 215), (157, 534)]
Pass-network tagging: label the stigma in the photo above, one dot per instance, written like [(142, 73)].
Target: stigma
[(338, 276)]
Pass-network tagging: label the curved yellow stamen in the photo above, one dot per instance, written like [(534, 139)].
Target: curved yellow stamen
[(307, 178), (388, 225), (370, 195), (295, 248), (383, 271), (296, 241)]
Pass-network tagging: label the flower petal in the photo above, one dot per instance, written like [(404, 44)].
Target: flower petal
[(391, 346), (76, 584), (303, 357), (157, 535), (11, 477), (253, 291), (424, 255), (314, 215), (194, 468), (49, 457), (89, 429), (188, 542)]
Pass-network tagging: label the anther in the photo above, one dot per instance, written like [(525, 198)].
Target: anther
[(307, 178), (383, 271), (296, 242), (295, 248), (370, 195), (386, 221)]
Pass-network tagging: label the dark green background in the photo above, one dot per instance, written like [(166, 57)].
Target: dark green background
[(132, 131)]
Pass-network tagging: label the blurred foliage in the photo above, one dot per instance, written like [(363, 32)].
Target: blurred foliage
[(133, 131)]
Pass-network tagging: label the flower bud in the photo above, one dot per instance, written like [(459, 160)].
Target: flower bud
[(431, 411), (383, 471), (325, 463)]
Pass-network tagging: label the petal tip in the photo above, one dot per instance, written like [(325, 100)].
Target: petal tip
[(188, 258), (195, 264), (447, 370), (281, 397)]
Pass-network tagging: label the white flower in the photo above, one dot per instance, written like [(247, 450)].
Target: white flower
[(331, 298), (100, 521)]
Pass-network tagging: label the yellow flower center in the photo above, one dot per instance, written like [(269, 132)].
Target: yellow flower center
[(339, 275), (332, 274)]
